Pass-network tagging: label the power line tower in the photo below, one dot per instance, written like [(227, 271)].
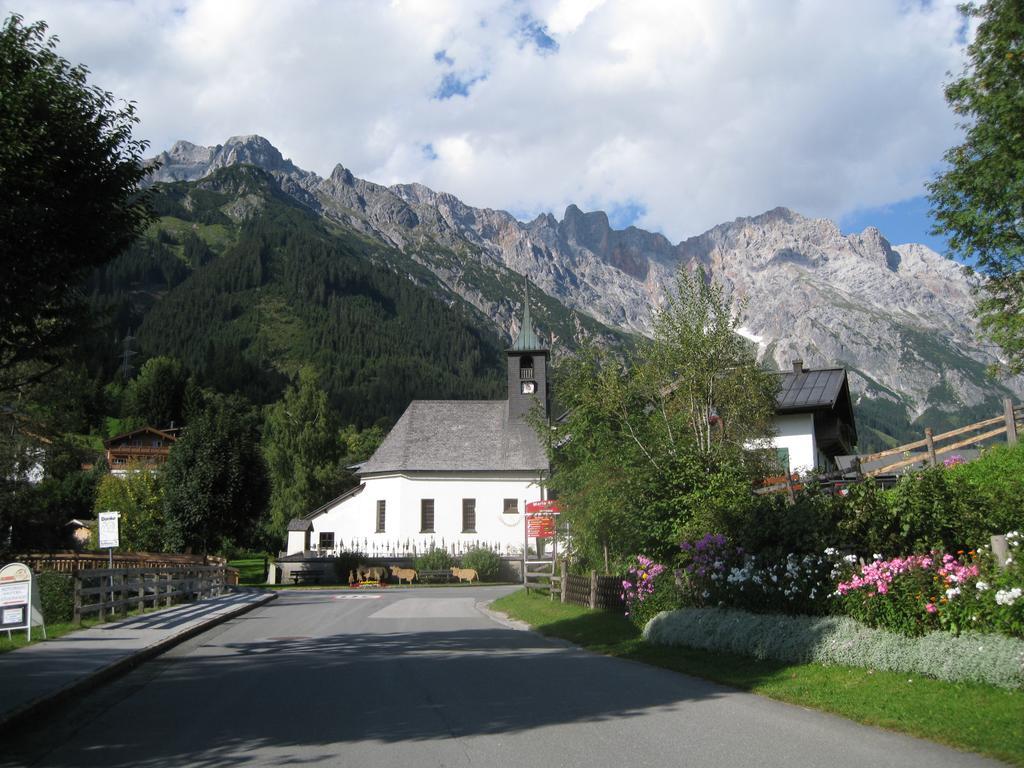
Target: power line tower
[(127, 353)]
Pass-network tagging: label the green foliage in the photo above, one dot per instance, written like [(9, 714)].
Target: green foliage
[(215, 484), (56, 596), (999, 478), (976, 201), (777, 528), (486, 563), (302, 451), (665, 597), (990, 659), (434, 559), (138, 496), (69, 192), (654, 447), (156, 396)]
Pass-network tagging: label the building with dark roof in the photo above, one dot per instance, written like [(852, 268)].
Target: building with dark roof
[(451, 473), (814, 418)]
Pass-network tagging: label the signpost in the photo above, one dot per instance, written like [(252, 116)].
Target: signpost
[(19, 603), (540, 525), (109, 535)]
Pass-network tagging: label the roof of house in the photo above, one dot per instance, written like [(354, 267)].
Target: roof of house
[(458, 435), (809, 390), (300, 524), (166, 435)]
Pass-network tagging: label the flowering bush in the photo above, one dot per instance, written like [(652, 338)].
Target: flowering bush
[(717, 574), (919, 593), (640, 587)]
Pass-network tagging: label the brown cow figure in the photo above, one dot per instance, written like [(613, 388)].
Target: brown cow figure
[(372, 573), (465, 574), (403, 574)]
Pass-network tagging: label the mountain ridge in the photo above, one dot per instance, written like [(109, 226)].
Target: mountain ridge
[(898, 317)]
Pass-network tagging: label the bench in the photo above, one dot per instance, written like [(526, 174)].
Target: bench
[(425, 576), (307, 575)]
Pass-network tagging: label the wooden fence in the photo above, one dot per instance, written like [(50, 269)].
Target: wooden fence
[(70, 560), (592, 591), (928, 449), (108, 591)]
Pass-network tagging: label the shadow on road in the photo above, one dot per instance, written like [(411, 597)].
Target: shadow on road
[(225, 702)]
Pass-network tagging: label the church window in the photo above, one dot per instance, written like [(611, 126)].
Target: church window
[(469, 515), (511, 507), (426, 515), (381, 514), (326, 539)]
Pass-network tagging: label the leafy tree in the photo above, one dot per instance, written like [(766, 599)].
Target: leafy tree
[(656, 447), (156, 396), (69, 193), (978, 200), (303, 452), (215, 483), (138, 496)]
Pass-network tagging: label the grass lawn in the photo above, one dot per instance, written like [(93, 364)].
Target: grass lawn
[(975, 717), (250, 571)]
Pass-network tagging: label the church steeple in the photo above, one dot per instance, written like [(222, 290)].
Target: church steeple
[(527, 368)]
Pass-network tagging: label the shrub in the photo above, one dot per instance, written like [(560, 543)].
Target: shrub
[(662, 595), (434, 559), (56, 596), (998, 477), (974, 657), (486, 563), (717, 574), (346, 562), (919, 593)]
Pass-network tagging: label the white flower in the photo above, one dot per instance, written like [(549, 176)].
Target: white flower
[(877, 556), (1008, 596), (953, 592), (851, 559), (831, 551), (1009, 560), (981, 586)]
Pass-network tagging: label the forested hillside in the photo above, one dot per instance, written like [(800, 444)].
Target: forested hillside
[(244, 286)]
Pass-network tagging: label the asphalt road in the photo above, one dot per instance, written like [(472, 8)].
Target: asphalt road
[(418, 678)]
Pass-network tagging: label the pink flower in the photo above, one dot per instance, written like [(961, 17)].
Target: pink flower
[(931, 608)]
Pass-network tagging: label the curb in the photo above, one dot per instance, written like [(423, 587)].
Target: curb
[(120, 667)]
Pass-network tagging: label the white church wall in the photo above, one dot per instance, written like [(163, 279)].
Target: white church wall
[(354, 520)]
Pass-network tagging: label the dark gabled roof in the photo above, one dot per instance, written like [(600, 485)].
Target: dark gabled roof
[(151, 430), (458, 435), (300, 524), (809, 390)]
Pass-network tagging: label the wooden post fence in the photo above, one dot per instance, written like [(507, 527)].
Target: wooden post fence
[(1011, 421)]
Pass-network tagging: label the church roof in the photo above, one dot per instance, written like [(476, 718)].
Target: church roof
[(458, 435)]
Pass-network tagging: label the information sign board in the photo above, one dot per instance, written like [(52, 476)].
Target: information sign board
[(542, 527), (543, 507), (108, 529), (15, 597)]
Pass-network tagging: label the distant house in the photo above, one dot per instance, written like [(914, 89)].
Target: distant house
[(813, 418), (81, 531), (452, 473), (146, 448)]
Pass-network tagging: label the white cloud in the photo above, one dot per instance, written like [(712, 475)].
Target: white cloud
[(697, 112)]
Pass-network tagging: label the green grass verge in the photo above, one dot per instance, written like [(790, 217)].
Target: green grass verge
[(250, 570), (974, 717)]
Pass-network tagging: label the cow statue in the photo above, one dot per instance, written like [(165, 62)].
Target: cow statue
[(465, 574), (403, 574)]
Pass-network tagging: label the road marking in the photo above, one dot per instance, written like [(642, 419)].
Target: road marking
[(358, 597), (429, 608)]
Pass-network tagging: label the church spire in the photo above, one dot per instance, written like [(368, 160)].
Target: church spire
[(527, 340)]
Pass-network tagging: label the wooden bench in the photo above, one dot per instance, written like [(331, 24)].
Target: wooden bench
[(425, 576), (307, 575)]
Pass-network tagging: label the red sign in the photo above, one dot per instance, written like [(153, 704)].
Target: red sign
[(544, 507), (540, 527)]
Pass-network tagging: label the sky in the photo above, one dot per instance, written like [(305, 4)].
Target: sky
[(672, 115)]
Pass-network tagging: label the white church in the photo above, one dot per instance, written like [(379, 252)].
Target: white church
[(452, 474)]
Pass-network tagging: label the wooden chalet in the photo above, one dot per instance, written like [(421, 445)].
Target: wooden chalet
[(145, 448)]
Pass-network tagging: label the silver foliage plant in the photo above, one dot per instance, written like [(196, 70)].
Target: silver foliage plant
[(838, 640)]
